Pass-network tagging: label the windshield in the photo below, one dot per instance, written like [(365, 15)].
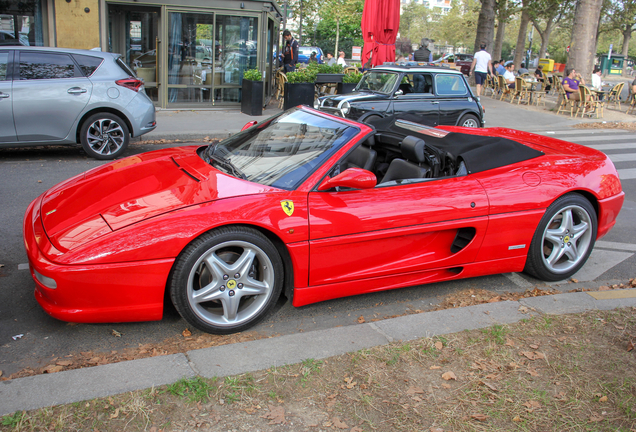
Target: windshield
[(282, 151), (378, 81)]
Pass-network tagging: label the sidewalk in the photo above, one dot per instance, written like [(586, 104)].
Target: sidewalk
[(100, 381), (195, 125)]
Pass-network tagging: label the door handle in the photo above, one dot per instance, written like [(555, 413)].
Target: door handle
[(76, 90), (435, 103), (3, 95)]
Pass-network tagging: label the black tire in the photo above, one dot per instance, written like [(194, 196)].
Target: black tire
[(104, 136), (369, 117), (469, 120), (564, 239), (242, 271)]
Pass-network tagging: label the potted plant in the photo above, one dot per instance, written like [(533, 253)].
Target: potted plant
[(349, 82), (328, 74), (252, 93), (300, 88)]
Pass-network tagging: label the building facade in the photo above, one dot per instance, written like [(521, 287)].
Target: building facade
[(190, 53)]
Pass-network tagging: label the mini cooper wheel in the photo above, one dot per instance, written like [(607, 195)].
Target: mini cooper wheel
[(470, 121), (227, 280), (104, 136), (564, 239)]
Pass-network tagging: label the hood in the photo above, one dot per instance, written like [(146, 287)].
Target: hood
[(129, 190), (333, 101)]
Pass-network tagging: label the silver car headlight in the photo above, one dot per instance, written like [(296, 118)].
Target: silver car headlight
[(345, 107), (317, 103)]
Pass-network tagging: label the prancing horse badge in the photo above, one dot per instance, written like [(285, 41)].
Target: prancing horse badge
[(288, 207)]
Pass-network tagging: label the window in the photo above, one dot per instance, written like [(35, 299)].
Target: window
[(89, 64), (4, 59), (37, 65), (450, 85)]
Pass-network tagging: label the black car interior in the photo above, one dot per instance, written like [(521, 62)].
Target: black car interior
[(396, 153)]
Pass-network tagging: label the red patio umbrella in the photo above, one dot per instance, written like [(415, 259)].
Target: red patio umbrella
[(380, 25)]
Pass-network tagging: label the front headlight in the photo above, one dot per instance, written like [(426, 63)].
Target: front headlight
[(345, 107), (317, 103)]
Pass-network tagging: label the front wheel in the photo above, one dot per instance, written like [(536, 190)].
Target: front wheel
[(470, 121), (104, 136), (564, 239), (227, 280)]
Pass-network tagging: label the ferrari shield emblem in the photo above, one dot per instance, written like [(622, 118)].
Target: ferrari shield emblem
[(288, 207)]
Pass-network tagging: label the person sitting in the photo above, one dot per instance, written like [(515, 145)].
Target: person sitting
[(495, 68), (312, 57), (330, 59), (341, 59), (538, 74), (522, 70), (501, 69), (571, 83), (509, 75)]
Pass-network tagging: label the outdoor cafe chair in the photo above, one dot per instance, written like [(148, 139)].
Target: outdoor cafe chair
[(614, 95), (588, 100), (632, 103), (564, 104), (503, 86), (521, 91)]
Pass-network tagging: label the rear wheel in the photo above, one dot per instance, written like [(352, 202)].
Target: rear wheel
[(227, 280), (470, 121), (104, 136), (564, 239)]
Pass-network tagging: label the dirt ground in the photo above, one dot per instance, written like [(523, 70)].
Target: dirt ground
[(546, 373)]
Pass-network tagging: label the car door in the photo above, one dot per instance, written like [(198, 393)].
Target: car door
[(7, 128), (454, 98), (49, 94), (387, 231), (417, 103)]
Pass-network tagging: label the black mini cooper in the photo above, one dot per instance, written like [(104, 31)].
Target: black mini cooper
[(431, 95)]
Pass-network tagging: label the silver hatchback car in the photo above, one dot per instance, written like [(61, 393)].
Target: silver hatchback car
[(64, 96)]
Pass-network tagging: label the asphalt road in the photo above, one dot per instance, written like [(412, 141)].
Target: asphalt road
[(26, 173)]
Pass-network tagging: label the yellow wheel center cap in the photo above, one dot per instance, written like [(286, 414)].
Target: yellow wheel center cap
[(566, 239), (231, 284)]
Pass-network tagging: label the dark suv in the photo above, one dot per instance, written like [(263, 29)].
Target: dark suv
[(430, 95)]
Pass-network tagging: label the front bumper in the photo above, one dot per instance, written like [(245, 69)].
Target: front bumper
[(120, 292)]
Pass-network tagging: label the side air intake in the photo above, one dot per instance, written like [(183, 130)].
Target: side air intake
[(463, 237)]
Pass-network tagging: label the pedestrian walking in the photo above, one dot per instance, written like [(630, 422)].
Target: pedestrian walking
[(482, 66), (290, 52)]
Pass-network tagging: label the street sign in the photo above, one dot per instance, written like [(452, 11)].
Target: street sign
[(356, 53), (609, 55)]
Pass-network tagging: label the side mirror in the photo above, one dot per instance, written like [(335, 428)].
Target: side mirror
[(355, 178), (249, 125), (398, 93)]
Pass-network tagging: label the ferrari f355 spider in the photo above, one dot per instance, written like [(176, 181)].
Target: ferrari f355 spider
[(313, 207)]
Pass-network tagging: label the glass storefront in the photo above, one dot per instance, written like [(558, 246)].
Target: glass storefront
[(21, 23)]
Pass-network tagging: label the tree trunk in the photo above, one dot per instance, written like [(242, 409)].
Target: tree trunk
[(627, 35), (337, 37), (583, 43), (520, 49), (501, 28), (545, 36), (485, 25)]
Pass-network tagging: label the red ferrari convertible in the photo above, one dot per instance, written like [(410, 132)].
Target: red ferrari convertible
[(314, 207)]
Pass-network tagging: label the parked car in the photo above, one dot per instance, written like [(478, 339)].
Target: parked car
[(316, 207), (461, 62), (432, 95), (8, 39), (64, 96), (304, 53)]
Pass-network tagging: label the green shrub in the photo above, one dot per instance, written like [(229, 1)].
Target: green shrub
[(253, 75), (302, 75), (352, 78)]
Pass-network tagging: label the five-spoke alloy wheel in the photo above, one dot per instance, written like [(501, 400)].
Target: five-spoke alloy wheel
[(227, 280), (104, 136), (564, 239), (470, 121)]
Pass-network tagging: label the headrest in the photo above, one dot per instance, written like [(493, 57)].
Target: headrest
[(413, 149), (370, 142)]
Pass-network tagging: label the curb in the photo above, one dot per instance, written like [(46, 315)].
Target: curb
[(82, 384)]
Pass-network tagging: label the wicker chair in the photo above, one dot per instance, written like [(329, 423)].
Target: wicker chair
[(521, 91), (588, 100), (503, 87), (281, 79), (564, 104), (632, 102), (614, 95)]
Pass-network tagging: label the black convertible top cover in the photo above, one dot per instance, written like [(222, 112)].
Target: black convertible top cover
[(479, 153)]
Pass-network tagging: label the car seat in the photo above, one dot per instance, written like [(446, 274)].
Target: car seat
[(362, 156), (413, 166)]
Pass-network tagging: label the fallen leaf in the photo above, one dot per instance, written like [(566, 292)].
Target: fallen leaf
[(186, 333), (575, 280), (339, 424), (115, 414), (449, 376), (439, 345), (523, 309), (603, 399), (509, 342), (534, 346), (53, 369), (276, 415), (361, 320), (356, 429), (116, 333), (516, 419), (435, 367), (446, 386), (532, 372), (479, 417), (490, 386), (630, 346), (595, 418), (604, 288), (532, 405), (414, 390), (494, 299)]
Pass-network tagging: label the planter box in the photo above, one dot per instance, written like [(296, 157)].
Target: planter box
[(298, 94), (346, 87), (325, 78), (252, 98)]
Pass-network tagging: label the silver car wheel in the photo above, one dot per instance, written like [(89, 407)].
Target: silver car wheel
[(567, 239), (105, 136), (230, 284), (470, 122)]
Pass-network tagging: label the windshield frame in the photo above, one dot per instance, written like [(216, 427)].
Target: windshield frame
[(219, 155)]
